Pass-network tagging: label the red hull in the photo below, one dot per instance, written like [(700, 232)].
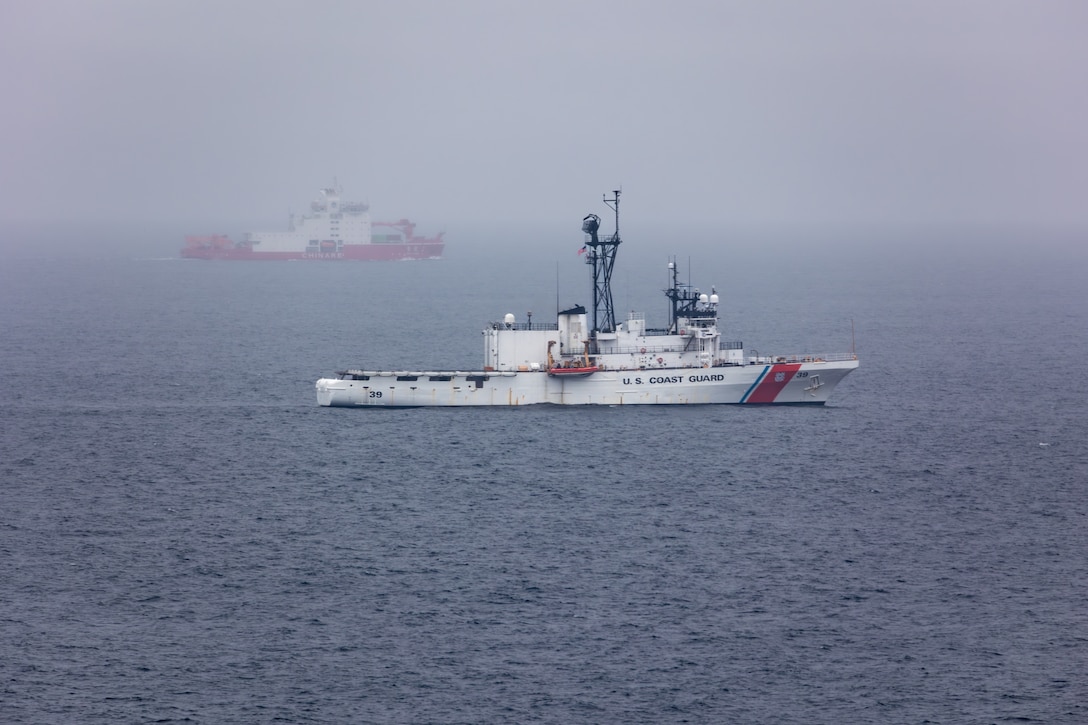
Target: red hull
[(349, 253)]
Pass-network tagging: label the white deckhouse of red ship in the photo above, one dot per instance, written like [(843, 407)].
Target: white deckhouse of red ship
[(584, 360), (333, 230)]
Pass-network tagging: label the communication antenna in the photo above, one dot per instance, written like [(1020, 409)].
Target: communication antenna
[(557, 289)]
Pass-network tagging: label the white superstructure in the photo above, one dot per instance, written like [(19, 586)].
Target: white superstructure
[(579, 360), (329, 221)]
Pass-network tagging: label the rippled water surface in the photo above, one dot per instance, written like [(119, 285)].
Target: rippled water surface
[(186, 537)]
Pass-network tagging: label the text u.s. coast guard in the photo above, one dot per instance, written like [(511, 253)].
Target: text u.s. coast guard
[(675, 379)]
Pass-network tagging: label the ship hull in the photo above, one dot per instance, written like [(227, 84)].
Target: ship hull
[(349, 253), (778, 384)]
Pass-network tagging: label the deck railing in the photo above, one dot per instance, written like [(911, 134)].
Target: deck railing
[(755, 357), (524, 326)]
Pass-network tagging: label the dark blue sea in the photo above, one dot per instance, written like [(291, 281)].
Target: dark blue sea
[(186, 537)]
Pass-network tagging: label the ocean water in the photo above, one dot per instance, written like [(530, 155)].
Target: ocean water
[(185, 536)]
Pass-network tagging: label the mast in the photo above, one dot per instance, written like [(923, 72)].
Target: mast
[(674, 294), (687, 302), (602, 255)]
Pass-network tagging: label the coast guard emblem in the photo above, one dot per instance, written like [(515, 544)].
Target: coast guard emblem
[(779, 377)]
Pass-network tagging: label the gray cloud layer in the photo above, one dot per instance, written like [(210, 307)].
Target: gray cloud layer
[(856, 112)]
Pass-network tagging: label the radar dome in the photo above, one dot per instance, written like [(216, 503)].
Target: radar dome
[(509, 319)]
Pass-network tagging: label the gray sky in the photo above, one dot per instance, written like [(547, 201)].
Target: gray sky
[(848, 111)]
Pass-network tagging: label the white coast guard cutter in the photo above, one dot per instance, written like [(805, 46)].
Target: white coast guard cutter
[(581, 361)]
